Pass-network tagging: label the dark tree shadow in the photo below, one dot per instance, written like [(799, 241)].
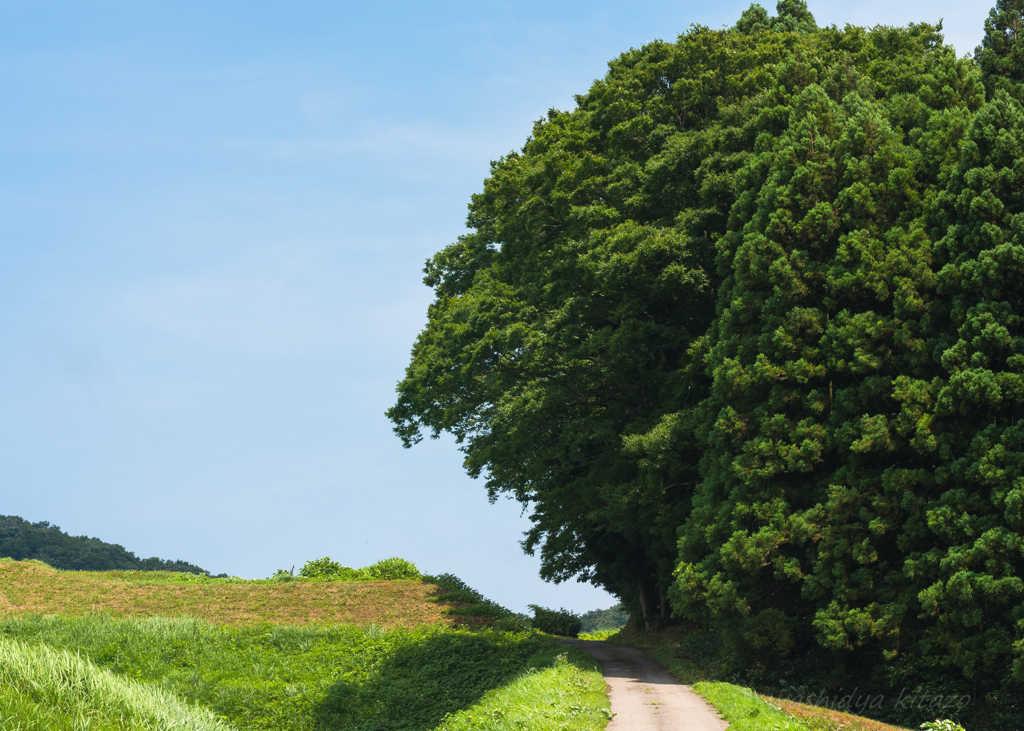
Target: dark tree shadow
[(421, 683)]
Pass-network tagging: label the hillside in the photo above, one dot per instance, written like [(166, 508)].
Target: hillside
[(113, 651), (34, 588), (21, 540)]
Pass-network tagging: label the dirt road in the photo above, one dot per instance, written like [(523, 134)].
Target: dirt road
[(644, 696)]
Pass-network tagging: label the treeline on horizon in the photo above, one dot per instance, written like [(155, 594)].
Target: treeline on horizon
[(743, 330), (20, 540)]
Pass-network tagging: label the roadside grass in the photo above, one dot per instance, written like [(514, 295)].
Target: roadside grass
[(42, 689), (569, 695), (745, 710), (693, 658), (31, 587), (601, 634), (334, 677)]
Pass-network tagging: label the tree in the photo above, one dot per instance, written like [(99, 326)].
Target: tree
[(1001, 53), (814, 481), (743, 330), (22, 540), (968, 557), (793, 17), (563, 349)]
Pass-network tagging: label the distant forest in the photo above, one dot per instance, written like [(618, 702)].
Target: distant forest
[(598, 619), (22, 540)]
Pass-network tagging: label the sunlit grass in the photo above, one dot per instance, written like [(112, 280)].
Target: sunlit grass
[(332, 677), (565, 696), (30, 587), (43, 689), (745, 710)]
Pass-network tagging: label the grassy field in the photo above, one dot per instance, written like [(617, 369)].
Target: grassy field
[(128, 651), (29, 587)]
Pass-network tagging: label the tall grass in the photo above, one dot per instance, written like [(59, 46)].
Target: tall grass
[(332, 677), (44, 689)]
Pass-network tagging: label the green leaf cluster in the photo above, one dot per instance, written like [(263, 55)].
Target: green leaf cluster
[(556, 621), (388, 569)]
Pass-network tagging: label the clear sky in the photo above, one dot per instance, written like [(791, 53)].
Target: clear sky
[(213, 217)]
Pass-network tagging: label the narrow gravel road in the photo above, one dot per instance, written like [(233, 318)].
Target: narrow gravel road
[(645, 696)]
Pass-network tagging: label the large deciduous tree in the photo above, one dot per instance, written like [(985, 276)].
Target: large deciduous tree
[(564, 348)]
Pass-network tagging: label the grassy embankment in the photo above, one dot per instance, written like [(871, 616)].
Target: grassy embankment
[(743, 708), (128, 651)]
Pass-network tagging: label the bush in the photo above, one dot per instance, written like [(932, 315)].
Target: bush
[(393, 569), (556, 622), (389, 569), (325, 568)]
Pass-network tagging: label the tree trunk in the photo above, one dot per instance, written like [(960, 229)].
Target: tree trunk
[(645, 605)]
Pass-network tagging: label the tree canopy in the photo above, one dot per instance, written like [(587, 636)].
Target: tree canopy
[(20, 540), (1001, 53), (742, 331)]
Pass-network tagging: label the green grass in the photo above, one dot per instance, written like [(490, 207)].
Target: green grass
[(327, 677), (565, 696), (33, 588), (745, 710), (601, 634), (42, 689)]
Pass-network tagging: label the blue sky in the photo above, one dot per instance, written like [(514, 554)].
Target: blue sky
[(213, 218)]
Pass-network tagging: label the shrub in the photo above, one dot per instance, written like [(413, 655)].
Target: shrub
[(393, 569), (556, 622), (284, 575), (389, 569), (325, 568)]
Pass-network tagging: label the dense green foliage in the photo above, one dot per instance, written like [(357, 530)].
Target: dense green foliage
[(556, 621), (1001, 53), (604, 619), (270, 677), (388, 569), (744, 330), (41, 541)]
